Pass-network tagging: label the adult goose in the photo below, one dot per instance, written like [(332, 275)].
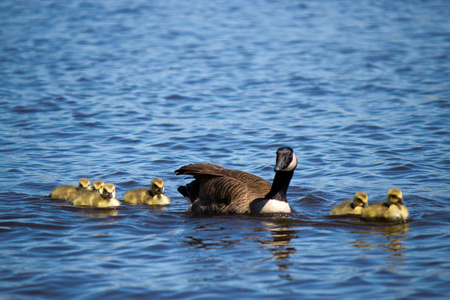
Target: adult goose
[(217, 190)]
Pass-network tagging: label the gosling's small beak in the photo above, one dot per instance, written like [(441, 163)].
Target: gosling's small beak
[(401, 201), (161, 190), (365, 204)]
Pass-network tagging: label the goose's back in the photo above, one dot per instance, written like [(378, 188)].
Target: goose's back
[(218, 190), (200, 170)]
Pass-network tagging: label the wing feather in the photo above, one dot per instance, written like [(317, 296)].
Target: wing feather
[(220, 190)]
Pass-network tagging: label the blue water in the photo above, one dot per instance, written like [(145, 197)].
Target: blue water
[(126, 91)]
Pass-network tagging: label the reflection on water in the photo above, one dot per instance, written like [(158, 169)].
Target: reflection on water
[(392, 232), (99, 89), (280, 240), (208, 243), (394, 244), (99, 213), (280, 246), (206, 238), (158, 207), (273, 235)]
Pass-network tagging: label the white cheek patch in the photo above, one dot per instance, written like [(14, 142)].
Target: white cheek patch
[(293, 164)]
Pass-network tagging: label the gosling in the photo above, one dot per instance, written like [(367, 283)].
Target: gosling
[(93, 199), (354, 206), (152, 196), (393, 209), (97, 188), (65, 192)]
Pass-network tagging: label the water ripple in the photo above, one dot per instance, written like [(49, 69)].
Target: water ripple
[(126, 92)]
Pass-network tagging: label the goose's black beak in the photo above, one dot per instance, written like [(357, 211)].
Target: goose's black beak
[(282, 163)]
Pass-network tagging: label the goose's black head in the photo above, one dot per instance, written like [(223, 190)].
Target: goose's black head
[(286, 160)]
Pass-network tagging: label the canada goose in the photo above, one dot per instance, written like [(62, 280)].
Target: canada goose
[(354, 206), (97, 188), (66, 191), (217, 190), (392, 210), (93, 199), (152, 196)]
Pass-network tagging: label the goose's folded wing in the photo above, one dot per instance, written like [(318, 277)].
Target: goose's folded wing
[(205, 169), (228, 195)]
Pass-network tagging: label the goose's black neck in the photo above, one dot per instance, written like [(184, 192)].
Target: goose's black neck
[(280, 185)]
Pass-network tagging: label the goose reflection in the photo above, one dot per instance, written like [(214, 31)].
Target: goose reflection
[(279, 241), (274, 235), (210, 236)]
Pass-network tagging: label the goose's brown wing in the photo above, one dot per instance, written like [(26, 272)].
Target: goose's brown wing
[(221, 190), (219, 195), (205, 169)]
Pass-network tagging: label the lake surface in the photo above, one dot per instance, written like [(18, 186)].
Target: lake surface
[(126, 91)]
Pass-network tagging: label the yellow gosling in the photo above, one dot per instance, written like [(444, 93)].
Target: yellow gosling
[(152, 196), (97, 188), (64, 192), (354, 206), (393, 209), (93, 199)]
